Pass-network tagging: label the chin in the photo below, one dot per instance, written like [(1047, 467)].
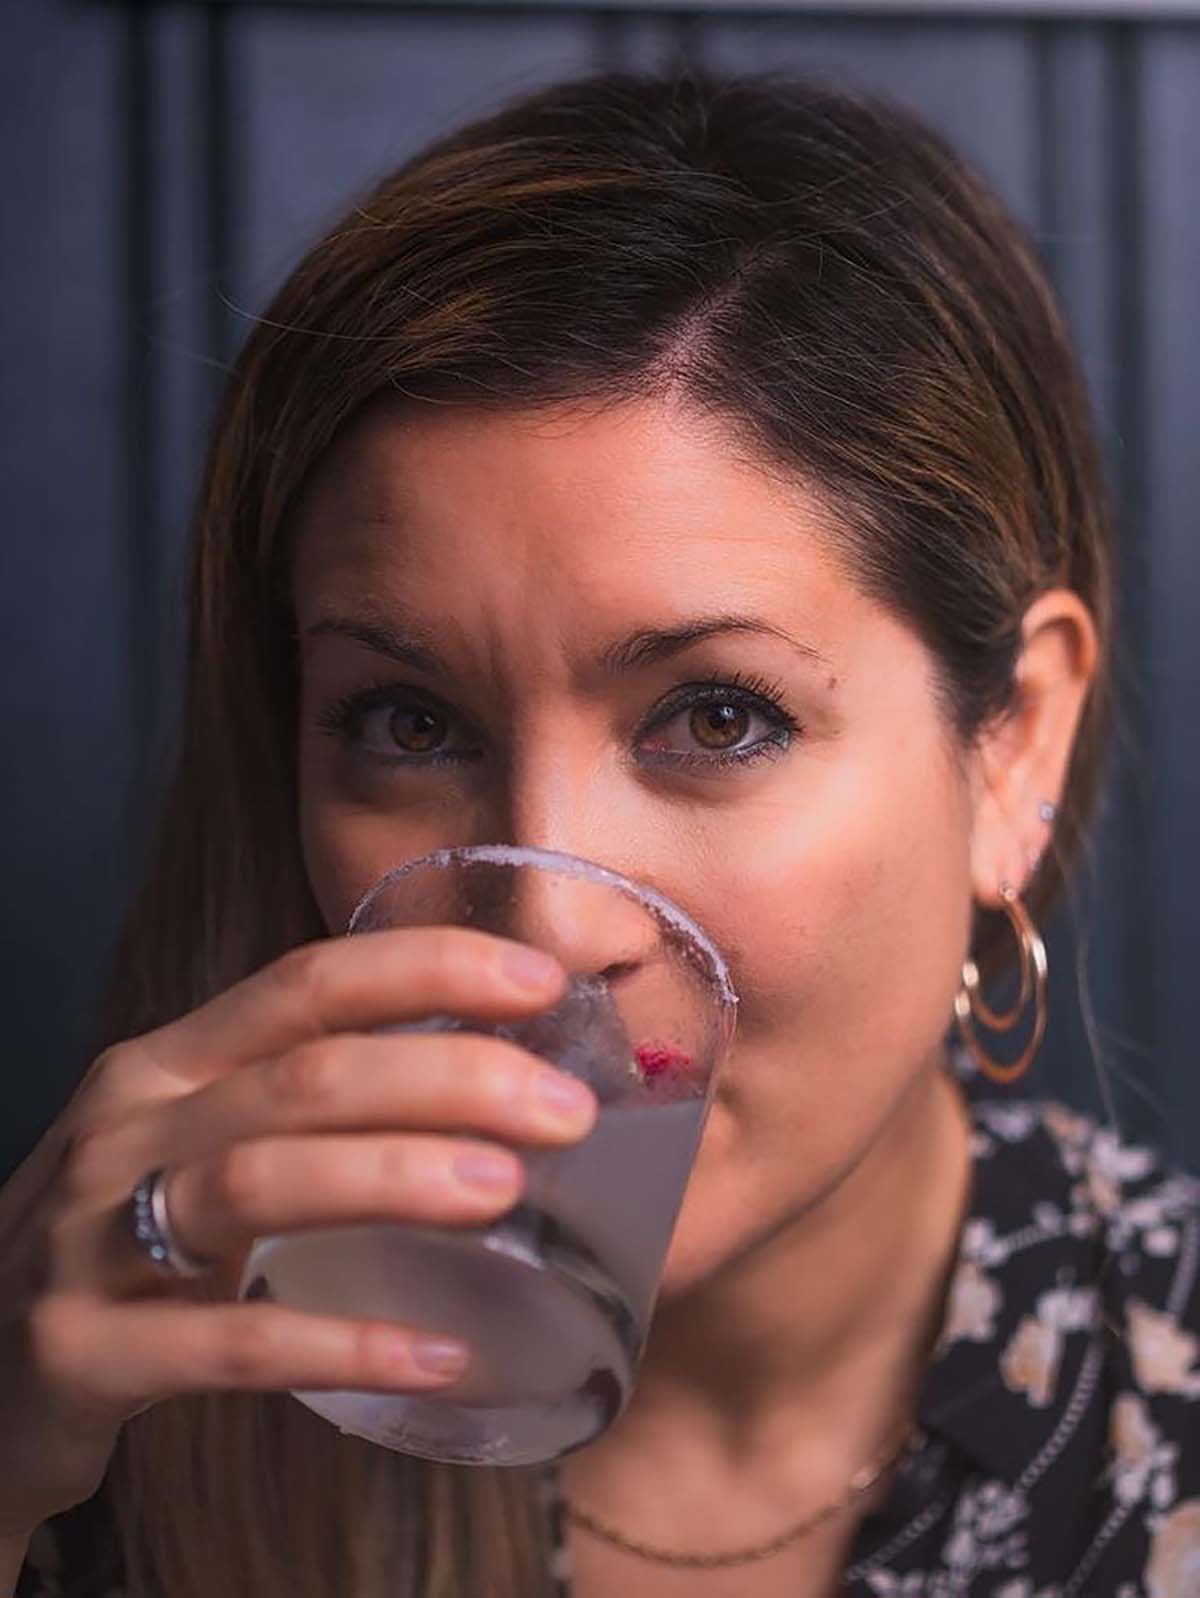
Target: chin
[(727, 1223), (689, 1273), (680, 1281), (701, 1250)]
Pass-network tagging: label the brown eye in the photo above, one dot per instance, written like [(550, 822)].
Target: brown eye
[(416, 731), (717, 725)]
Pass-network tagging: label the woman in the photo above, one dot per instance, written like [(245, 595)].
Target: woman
[(694, 476)]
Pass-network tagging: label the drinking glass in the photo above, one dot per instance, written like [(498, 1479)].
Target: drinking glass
[(555, 1297)]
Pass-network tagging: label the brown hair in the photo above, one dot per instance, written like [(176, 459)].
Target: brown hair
[(820, 274)]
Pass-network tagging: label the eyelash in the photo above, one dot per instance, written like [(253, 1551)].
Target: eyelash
[(343, 719)]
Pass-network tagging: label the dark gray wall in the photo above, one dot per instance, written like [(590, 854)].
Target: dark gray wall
[(163, 164)]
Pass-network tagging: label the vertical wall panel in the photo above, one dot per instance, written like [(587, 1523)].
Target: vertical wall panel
[(1171, 141), (1100, 1048), (182, 312), (1078, 175), (64, 687)]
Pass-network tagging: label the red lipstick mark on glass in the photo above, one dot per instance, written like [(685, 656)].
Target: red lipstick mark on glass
[(656, 1058)]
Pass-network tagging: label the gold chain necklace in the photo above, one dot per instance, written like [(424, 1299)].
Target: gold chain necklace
[(861, 1482)]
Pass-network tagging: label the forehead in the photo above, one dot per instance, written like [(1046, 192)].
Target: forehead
[(604, 505)]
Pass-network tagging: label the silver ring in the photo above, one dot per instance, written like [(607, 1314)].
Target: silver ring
[(152, 1228)]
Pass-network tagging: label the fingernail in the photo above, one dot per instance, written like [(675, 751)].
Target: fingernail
[(564, 1094), (440, 1356), (530, 968), (485, 1170)]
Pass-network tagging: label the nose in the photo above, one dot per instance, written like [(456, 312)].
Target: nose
[(555, 801), (577, 913), (576, 910)]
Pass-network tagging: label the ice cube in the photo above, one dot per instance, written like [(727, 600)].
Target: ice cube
[(583, 1035)]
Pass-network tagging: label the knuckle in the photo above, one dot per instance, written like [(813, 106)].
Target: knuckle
[(302, 974), (117, 1076), (396, 1166), (105, 1067), (53, 1328), (246, 1347), (239, 1178), (294, 968), (310, 1078), (65, 1255), (91, 1163), (447, 957), (496, 1073), (373, 1350), (60, 1353)]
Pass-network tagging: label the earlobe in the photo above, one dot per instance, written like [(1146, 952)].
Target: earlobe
[(997, 861)]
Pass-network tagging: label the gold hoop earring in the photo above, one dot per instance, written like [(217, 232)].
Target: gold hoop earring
[(970, 1008)]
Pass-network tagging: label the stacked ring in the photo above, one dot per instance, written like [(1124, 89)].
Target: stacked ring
[(152, 1229)]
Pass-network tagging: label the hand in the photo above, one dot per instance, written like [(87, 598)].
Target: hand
[(272, 1110)]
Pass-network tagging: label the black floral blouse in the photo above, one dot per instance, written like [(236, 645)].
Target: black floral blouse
[(1059, 1446)]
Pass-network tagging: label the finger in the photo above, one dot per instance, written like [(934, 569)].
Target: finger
[(354, 984), (286, 1184), (351, 1083), (116, 1358)]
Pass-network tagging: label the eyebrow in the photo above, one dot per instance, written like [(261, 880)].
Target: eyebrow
[(407, 649), (654, 644), (647, 647)]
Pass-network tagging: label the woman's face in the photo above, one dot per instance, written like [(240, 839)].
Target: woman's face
[(788, 777)]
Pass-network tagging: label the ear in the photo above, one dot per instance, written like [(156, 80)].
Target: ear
[(1022, 760)]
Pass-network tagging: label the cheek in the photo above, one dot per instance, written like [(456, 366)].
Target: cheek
[(348, 846), (326, 837), (847, 926), (845, 930)]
